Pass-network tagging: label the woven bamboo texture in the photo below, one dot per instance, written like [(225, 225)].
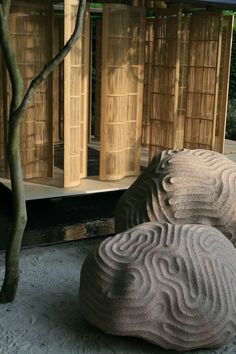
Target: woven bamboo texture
[(123, 36), (55, 79), (75, 101), (203, 80), (30, 28), (149, 42), (190, 76), (85, 94), (165, 78), (98, 78)]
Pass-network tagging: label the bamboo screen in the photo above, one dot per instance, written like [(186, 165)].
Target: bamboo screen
[(147, 80), (183, 80), (30, 27), (122, 90), (98, 78), (221, 116), (190, 76), (85, 67), (165, 77), (55, 78), (203, 80), (75, 100)]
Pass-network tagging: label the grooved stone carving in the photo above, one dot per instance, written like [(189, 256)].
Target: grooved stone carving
[(173, 285), (183, 187)]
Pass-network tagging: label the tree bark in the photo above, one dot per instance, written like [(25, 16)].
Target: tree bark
[(17, 108)]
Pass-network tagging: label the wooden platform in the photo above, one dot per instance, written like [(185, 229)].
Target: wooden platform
[(92, 184), (88, 186)]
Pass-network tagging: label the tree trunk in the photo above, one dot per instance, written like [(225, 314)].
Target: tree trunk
[(18, 107), (9, 288)]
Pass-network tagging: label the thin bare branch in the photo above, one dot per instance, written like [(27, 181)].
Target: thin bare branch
[(54, 62), (6, 4)]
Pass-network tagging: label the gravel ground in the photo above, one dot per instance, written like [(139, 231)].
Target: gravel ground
[(45, 317)]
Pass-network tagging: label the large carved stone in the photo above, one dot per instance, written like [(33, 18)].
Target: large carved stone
[(173, 285), (183, 187)]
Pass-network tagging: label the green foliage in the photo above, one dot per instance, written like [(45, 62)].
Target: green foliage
[(231, 120), (232, 83), (231, 117)]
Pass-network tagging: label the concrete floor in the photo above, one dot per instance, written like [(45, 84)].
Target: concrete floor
[(45, 317)]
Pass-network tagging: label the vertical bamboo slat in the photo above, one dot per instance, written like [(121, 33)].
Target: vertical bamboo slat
[(30, 27), (227, 36), (165, 83), (72, 99), (203, 80), (98, 78), (122, 90), (147, 80), (75, 99), (85, 67), (55, 79), (183, 77)]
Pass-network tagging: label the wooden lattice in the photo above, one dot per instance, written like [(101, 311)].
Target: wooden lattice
[(165, 80), (75, 101), (98, 78), (203, 80), (190, 81), (122, 90), (30, 27)]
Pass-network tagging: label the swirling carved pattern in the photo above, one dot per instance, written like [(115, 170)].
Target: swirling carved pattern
[(183, 187), (173, 285)]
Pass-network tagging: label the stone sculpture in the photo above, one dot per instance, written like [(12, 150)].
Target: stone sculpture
[(183, 187), (173, 285)]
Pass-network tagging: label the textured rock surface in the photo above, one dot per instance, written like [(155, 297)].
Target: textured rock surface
[(173, 285), (183, 187)]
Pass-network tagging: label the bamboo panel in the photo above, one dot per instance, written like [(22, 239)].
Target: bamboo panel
[(98, 78), (55, 79), (183, 79), (72, 100), (76, 79), (85, 69), (123, 35), (221, 117), (165, 84), (2, 150), (30, 29), (203, 80), (147, 80)]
